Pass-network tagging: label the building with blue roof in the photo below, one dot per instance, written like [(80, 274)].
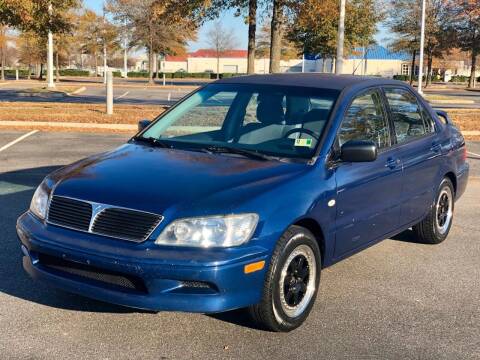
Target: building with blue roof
[(374, 60)]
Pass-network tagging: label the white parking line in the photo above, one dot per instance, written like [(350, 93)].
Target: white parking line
[(123, 95), (471, 153), (23, 137)]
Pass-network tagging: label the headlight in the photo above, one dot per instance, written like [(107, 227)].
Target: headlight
[(213, 231), (39, 203)]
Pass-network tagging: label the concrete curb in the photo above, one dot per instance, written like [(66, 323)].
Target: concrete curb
[(459, 102), (78, 91), (471, 133)]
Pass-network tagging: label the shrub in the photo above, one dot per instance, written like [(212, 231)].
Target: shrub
[(138, 74), (459, 78), (181, 75), (401, 77), (22, 73), (74, 72)]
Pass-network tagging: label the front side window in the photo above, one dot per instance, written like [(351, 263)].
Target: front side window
[(275, 120), (407, 115), (365, 119)]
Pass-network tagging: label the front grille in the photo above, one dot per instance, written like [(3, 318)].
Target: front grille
[(102, 219), (70, 213), (125, 224), (102, 277)]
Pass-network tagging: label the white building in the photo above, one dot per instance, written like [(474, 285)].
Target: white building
[(374, 61)]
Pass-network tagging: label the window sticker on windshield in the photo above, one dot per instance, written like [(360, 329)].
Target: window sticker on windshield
[(303, 142)]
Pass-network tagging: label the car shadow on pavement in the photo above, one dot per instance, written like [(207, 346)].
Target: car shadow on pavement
[(407, 236), (16, 191)]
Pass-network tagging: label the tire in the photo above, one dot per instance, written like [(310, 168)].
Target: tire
[(435, 227), (285, 307)]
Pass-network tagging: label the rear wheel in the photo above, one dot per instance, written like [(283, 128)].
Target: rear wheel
[(292, 282), (435, 227)]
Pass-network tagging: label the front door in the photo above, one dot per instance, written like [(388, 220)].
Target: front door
[(368, 194)]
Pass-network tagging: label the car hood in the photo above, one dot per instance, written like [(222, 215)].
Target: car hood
[(157, 179)]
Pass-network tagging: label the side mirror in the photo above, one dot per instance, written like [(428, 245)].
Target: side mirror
[(359, 151), (142, 124), (443, 117)]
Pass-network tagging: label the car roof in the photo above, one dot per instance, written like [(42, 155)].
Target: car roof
[(310, 80)]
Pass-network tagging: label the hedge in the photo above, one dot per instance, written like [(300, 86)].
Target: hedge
[(23, 73), (181, 75), (459, 78), (407, 77), (74, 72), (401, 77)]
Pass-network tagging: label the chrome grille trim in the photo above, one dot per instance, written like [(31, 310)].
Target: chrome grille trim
[(97, 210)]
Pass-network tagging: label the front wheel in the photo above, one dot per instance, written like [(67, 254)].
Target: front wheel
[(435, 227), (291, 284)]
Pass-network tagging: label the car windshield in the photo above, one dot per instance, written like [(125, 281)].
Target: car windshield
[(279, 121)]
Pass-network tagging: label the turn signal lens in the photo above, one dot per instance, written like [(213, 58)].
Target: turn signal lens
[(256, 266)]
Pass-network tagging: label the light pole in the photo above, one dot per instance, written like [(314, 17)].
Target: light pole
[(50, 82), (422, 45), (104, 46), (125, 55), (340, 39)]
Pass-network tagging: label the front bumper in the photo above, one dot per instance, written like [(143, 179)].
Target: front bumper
[(193, 280)]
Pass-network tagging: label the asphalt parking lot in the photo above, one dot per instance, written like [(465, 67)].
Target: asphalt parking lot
[(124, 92), (395, 300), (138, 91)]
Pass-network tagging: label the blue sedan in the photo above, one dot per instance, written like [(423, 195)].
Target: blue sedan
[(239, 196)]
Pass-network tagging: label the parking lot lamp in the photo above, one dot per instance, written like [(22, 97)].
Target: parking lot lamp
[(340, 39), (104, 45), (422, 45), (125, 53), (50, 82)]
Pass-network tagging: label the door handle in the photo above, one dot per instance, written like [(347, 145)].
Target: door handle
[(392, 163)]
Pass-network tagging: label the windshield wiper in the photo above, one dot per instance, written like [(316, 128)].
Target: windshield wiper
[(152, 141), (231, 150)]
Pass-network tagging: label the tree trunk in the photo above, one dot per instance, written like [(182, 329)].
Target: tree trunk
[(40, 76), (150, 66), (57, 68), (154, 62), (473, 70), (429, 69), (252, 30), (4, 51), (324, 64), (218, 66), (96, 65), (29, 70), (276, 36), (412, 68), (4, 60)]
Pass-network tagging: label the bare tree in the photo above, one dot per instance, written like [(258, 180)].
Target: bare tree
[(221, 39), (157, 26)]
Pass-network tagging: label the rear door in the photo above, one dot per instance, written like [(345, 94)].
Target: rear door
[(419, 150), (368, 194)]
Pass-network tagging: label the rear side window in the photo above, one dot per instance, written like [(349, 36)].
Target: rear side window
[(428, 121), (365, 120), (411, 121)]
